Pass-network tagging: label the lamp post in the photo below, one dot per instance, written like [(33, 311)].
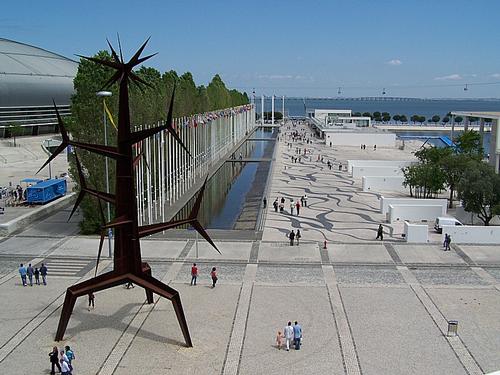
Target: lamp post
[(104, 94)]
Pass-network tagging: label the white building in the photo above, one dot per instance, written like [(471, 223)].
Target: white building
[(339, 118), (339, 128)]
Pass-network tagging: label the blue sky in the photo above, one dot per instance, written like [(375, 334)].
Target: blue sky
[(297, 48)]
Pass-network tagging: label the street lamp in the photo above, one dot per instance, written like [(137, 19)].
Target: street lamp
[(104, 94)]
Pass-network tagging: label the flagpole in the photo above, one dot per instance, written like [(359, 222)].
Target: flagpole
[(283, 117), (262, 110)]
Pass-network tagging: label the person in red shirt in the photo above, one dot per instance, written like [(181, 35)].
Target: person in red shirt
[(213, 274), (297, 206), (194, 274)]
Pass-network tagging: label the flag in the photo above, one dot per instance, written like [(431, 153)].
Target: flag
[(110, 117)]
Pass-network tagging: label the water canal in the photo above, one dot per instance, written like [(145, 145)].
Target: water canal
[(233, 196)]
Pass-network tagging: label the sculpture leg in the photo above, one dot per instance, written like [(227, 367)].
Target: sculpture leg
[(147, 270), (156, 286), (101, 282)]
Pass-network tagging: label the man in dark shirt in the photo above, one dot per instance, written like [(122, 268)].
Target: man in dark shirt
[(43, 272)]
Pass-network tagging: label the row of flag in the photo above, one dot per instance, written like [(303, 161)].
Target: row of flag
[(204, 118)]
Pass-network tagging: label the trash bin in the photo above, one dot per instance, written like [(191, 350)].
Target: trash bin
[(452, 328)]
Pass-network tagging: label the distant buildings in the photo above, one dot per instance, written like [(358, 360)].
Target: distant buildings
[(30, 78), (339, 128)]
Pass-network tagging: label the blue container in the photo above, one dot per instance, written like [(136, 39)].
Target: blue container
[(46, 191)]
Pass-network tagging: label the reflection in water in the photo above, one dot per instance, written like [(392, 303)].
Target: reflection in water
[(228, 190)]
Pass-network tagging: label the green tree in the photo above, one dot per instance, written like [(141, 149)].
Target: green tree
[(14, 130), (377, 116), (415, 118), (458, 119), (357, 114), (469, 143), (367, 114), (421, 119), (424, 180), (446, 120), (396, 118), (435, 119), (479, 190), (403, 119), (453, 166), (386, 116)]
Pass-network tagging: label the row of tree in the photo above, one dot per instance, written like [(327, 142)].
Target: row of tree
[(461, 170), (147, 106), (386, 117)]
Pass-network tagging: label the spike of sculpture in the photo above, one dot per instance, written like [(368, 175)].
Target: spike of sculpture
[(128, 265)]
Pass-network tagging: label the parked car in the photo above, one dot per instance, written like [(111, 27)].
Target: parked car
[(440, 221)]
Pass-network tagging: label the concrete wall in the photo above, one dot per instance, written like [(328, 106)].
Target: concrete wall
[(381, 183), (386, 201), (378, 163), (414, 212), (359, 171), (473, 234), (356, 139), (416, 233)]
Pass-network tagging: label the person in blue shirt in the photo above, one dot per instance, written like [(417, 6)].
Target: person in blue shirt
[(23, 272), (297, 335)]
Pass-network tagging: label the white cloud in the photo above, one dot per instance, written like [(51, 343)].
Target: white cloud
[(451, 77), (495, 75), (394, 62)]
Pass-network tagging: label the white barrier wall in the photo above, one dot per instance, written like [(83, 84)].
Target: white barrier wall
[(356, 139), (381, 183), (414, 212), (386, 201), (472, 234), (378, 163), (359, 171), (416, 233)]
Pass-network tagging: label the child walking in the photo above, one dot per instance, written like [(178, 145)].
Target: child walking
[(279, 340)]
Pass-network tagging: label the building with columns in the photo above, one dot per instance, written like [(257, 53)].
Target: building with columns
[(482, 118)]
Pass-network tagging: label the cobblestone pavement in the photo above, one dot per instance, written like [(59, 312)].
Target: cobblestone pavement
[(366, 307)]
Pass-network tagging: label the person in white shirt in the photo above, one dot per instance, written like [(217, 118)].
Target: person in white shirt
[(64, 367), (288, 335)]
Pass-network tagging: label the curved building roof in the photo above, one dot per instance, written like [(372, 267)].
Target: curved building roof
[(31, 76)]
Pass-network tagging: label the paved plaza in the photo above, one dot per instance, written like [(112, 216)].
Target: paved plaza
[(366, 306)]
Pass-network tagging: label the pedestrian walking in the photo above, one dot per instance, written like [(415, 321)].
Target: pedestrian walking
[(291, 236), (91, 301), (64, 367), (279, 340), (30, 272), (37, 276), (305, 200), (297, 206), (275, 205), (54, 360), (302, 200), (340, 166), (213, 275), (297, 335), (448, 242), (298, 236), (63, 356), (292, 205), (22, 272), (71, 356), (264, 202), (43, 273), (380, 233), (194, 274), (288, 335)]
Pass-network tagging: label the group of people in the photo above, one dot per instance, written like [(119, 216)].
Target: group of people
[(62, 360), (363, 147), (195, 273), (294, 237), (290, 334), (279, 204), (27, 274)]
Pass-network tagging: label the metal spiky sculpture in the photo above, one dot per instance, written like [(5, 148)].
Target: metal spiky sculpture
[(128, 266)]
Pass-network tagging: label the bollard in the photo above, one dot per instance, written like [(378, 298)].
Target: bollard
[(452, 328), (324, 245)]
